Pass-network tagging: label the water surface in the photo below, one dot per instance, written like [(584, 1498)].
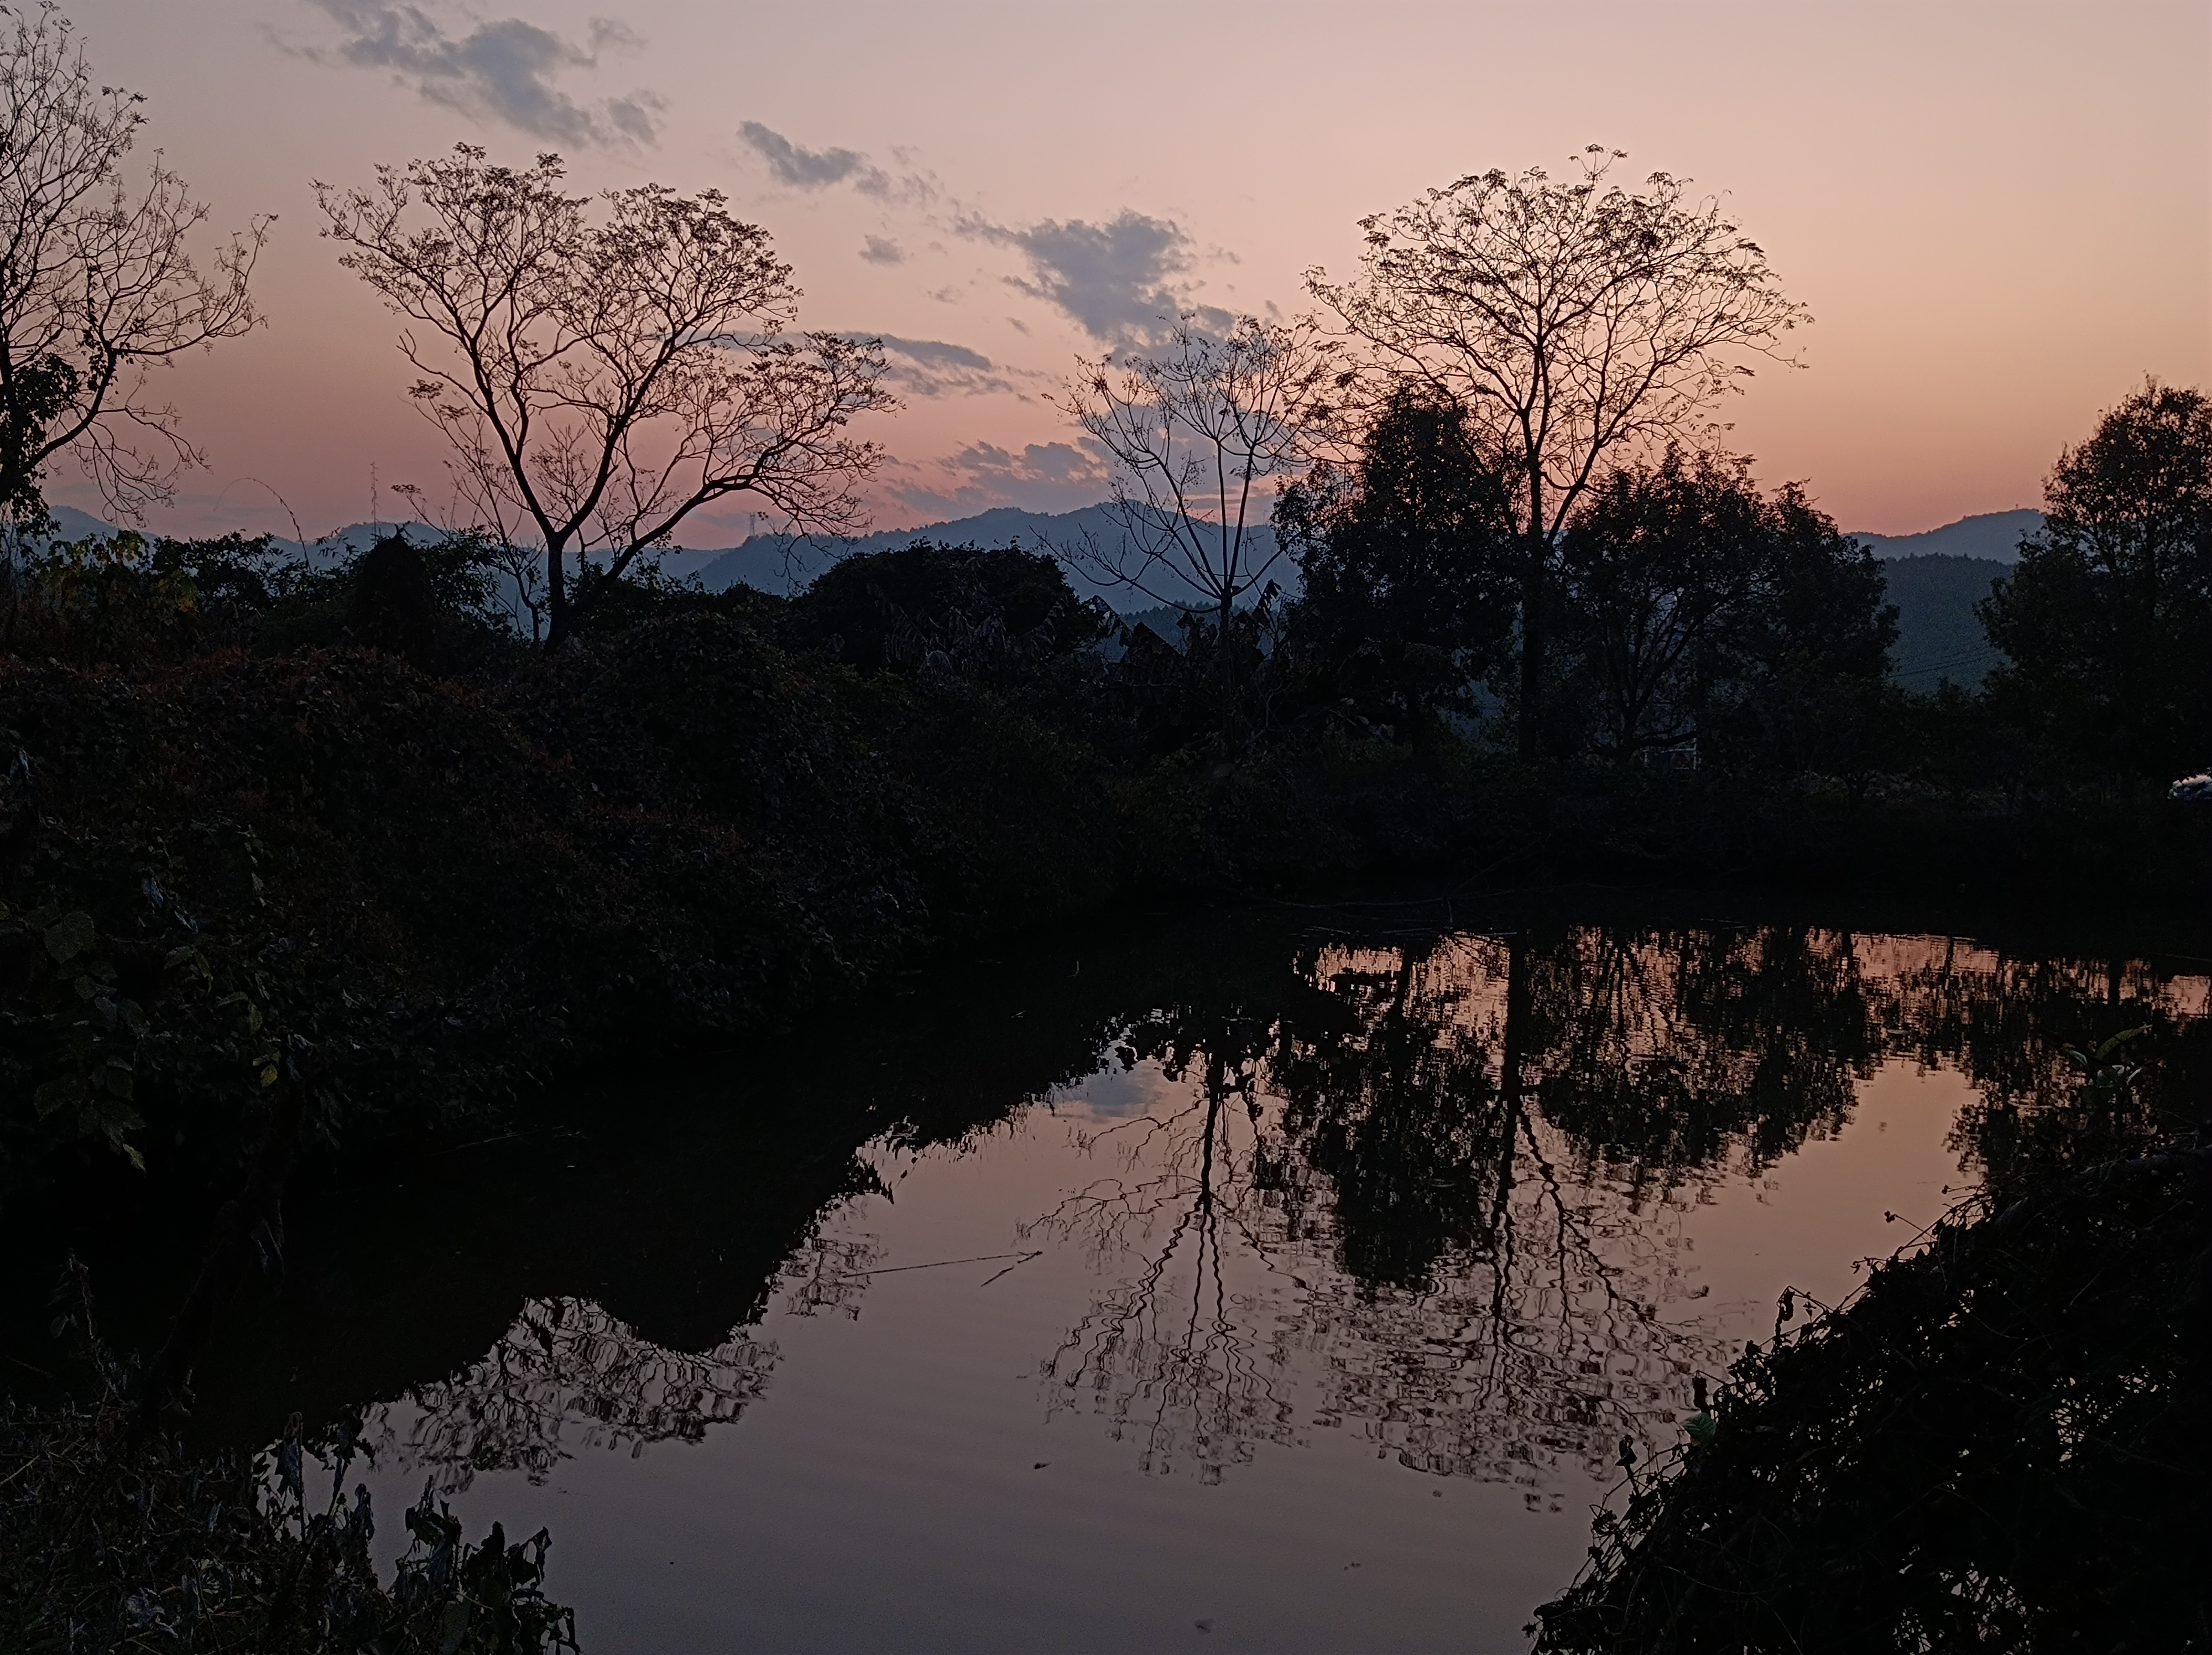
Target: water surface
[(1276, 1284)]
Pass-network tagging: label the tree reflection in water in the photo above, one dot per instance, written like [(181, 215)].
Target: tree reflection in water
[(1366, 1188), (1435, 1193), (569, 1376), (1432, 1193), (1180, 1360)]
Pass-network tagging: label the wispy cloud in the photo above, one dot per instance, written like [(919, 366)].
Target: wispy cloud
[(934, 368), (1114, 280), (882, 250), (1046, 476), (504, 70), (801, 168)]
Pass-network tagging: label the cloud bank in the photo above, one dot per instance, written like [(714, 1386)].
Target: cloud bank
[(933, 367), (1044, 477), (819, 169), (1114, 280), (503, 70)]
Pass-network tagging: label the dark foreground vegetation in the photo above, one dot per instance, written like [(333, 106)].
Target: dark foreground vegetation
[(1992, 1445), (300, 858), (601, 1279), (298, 844), (296, 860), (113, 1536)]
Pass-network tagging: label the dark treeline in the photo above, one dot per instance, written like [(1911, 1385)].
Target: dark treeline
[(1689, 613), (1691, 618)]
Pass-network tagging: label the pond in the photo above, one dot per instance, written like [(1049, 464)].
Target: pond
[(1278, 1281)]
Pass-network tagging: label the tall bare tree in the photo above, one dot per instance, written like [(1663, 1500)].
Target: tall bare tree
[(600, 378), (1199, 434), (1573, 319), (97, 284)]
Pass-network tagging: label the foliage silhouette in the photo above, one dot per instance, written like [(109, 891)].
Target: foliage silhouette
[(99, 285), (113, 1538), (1575, 321), (1698, 610), (2106, 621), (1409, 562), (1988, 1446)]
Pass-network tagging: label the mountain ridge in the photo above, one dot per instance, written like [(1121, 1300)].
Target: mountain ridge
[(1992, 536)]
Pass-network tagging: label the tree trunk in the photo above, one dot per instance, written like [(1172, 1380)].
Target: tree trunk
[(556, 595), (1531, 645), (1228, 690)]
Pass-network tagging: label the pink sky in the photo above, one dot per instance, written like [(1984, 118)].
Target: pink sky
[(1997, 213)]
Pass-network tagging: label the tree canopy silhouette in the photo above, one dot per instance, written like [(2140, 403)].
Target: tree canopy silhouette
[(1409, 558), (1697, 606), (97, 283), (597, 382), (1575, 319), (1200, 433), (2108, 619)]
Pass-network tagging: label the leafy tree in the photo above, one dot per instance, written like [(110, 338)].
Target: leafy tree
[(2108, 619), (246, 572), (1575, 321), (97, 285), (1811, 658), (960, 608), (1699, 604), (1409, 558), (599, 382), (1663, 564)]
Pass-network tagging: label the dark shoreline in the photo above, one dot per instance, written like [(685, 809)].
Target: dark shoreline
[(444, 894)]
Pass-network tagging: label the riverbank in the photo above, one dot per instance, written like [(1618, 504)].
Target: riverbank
[(397, 900)]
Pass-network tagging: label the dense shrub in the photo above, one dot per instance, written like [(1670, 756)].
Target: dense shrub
[(114, 1537)]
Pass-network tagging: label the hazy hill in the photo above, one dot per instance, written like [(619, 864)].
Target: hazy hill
[(1938, 634), (76, 524), (1994, 535), (779, 562), (1935, 577)]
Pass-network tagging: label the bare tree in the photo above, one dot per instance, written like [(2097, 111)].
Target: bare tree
[(97, 286), (599, 381), (1199, 434), (1574, 319)]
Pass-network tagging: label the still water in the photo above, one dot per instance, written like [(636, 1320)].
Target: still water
[(1277, 1283)]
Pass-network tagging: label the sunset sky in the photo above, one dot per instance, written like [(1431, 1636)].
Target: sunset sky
[(1997, 213)]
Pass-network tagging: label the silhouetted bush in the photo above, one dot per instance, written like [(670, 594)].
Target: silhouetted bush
[(1990, 1446), (962, 610), (114, 1537)]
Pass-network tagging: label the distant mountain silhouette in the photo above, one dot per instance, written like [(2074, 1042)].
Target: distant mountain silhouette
[(1935, 577), (1995, 535), (784, 563), (74, 524)]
